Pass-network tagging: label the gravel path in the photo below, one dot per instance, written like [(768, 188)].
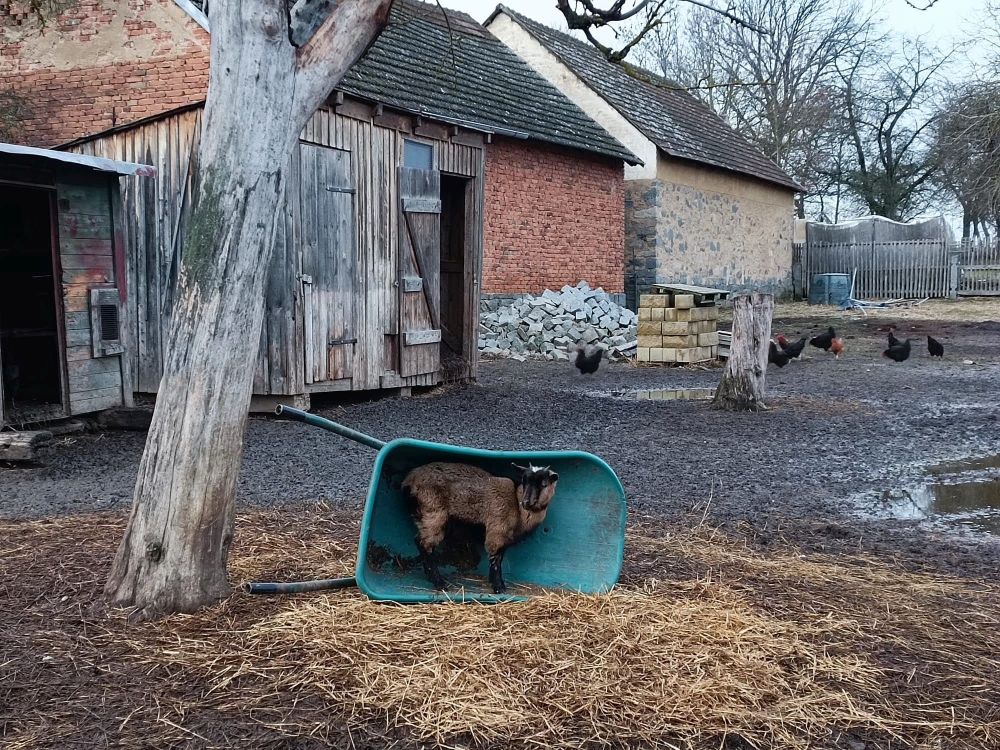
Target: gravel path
[(835, 429)]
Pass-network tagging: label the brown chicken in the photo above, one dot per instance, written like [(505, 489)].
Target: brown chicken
[(837, 347)]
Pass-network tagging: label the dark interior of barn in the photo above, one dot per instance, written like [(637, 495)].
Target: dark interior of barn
[(453, 221), (29, 331)]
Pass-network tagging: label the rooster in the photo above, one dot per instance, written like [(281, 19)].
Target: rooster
[(824, 340), (588, 359), (794, 351), (776, 356), (934, 347), (898, 353)]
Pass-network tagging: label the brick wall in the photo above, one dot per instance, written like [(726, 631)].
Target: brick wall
[(553, 216), (99, 64)]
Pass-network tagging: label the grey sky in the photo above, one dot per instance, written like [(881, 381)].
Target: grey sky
[(946, 22)]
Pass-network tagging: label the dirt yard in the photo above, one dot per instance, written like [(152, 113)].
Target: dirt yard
[(774, 517)]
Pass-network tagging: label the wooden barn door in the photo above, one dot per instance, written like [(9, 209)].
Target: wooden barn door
[(328, 263), (419, 271)]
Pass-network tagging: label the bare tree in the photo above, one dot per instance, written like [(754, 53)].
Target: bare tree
[(631, 20), (272, 65), (889, 112), (968, 154), (779, 88)]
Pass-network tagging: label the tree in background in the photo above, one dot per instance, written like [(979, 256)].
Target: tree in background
[(888, 114), (774, 80), (273, 63)]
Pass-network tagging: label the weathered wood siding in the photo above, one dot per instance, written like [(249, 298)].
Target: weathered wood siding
[(87, 259), (157, 211)]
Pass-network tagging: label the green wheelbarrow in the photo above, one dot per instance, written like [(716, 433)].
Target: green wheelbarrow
[(579, 547)]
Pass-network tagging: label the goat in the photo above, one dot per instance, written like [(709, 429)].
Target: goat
[(506, 510)]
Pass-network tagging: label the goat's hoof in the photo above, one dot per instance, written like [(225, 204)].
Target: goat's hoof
[(499, 588), (439, 584)]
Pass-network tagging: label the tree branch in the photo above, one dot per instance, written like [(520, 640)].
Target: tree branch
[(335, 45)]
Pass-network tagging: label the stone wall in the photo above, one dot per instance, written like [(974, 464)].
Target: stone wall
[(553, 216), (98, 64), (697, 225)]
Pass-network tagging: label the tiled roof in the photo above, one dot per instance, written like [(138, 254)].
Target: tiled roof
[(452, 69), (677, 122)]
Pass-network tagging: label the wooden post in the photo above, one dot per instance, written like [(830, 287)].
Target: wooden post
[(954, 261), (742, 386)]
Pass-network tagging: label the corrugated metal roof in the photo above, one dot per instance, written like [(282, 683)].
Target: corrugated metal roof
[(676, 121), (91, 162)]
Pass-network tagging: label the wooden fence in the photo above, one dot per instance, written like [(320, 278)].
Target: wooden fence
[(885, 270), (978, 268)]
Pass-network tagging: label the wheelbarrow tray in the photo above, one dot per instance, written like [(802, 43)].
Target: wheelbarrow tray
[(579, 547)]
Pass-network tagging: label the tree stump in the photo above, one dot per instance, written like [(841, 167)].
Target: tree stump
[(742, 386)]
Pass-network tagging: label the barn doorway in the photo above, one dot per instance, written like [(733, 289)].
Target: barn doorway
[(454, 222), (30, 348)]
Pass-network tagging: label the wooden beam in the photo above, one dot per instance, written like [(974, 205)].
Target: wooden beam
[(22, 446)]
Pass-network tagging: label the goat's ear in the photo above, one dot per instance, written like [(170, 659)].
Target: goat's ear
[(519, 467)]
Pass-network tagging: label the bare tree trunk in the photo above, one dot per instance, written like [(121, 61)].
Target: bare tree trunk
[(264, 85), (742, 386)]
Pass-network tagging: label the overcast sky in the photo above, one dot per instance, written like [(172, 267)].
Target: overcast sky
[(946, 22)]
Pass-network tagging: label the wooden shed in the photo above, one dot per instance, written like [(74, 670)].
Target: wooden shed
[(62, 284), (374, 280)]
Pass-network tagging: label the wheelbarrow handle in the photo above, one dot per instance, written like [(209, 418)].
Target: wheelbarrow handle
[(289, 412)]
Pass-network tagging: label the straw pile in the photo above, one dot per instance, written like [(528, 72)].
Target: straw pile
[(706, 639)]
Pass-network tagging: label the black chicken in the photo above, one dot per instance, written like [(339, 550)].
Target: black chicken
[(824, 340), (898, 353), (793, 350), (588, 359), (934, 347), (893, 341), (777, 357)]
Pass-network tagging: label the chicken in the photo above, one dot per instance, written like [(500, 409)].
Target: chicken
[(794, 351), (824, 340), (898, 353), (776, 356), (934, 347), (588, 359), (893, 341), (837, 347)]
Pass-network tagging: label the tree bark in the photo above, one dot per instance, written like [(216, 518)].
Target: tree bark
[(262, 90), (743, 381)]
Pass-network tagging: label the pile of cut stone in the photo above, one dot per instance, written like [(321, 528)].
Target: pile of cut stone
[(554, 324)]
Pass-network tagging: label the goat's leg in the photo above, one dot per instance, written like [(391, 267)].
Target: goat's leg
[(496, 572), (430, 565)]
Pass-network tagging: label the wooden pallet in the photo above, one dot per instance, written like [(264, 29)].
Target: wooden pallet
[(703, 295)]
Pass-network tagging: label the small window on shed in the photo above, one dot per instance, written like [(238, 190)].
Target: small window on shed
[(417, 155), (105, 322)]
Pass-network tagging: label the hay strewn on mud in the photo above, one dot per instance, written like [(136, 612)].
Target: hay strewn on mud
[(706, 638)]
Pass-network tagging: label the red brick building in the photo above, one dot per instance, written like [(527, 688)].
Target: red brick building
[(554, 192), (99, 64)]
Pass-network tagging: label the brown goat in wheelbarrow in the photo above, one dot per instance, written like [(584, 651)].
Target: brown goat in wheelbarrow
[(505, 509)]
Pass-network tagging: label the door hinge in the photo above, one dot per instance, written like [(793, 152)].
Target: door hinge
[(305, 278), (335, 189), (341, 342)]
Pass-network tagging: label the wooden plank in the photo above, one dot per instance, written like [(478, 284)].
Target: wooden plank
[(23, 446), (422, 205), (106, 398), (419, 255), (413, 338), (84, 226)]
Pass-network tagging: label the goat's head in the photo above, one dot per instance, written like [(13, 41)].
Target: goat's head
[(535, 487)]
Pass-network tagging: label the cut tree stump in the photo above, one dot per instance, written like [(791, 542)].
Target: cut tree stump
[(742, 386), (22, 446)]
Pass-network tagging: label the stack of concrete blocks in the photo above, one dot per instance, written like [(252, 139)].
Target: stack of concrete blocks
[(673, 331)]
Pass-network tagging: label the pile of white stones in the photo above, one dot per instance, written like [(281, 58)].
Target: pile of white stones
[(554, 324)]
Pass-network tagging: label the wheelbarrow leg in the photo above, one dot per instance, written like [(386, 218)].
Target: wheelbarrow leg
[(430, 566)]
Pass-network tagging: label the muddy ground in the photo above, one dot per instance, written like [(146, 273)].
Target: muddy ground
[(835, 429)]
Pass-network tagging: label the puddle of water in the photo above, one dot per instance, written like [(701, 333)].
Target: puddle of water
[(663, 394), (959, 494)]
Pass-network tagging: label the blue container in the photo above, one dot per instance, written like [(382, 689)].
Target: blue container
[(829, 289)]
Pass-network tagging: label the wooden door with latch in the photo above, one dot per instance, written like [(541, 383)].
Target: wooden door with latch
[(328, 263), (419, 271)]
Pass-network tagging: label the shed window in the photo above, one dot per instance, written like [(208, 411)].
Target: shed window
[(105, 322), (417, 155)]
